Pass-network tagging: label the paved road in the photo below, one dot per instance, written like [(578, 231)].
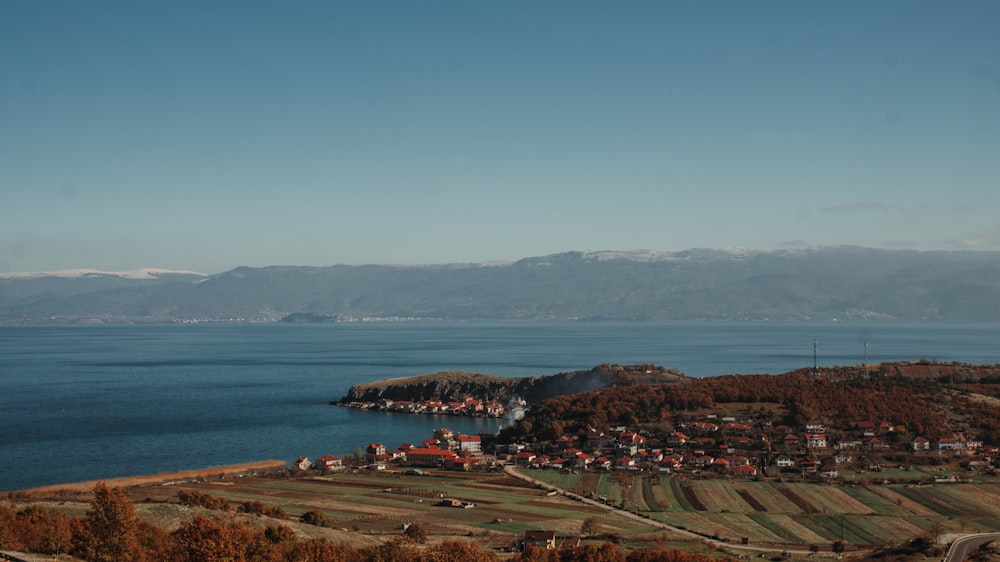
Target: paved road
[(960, 549)]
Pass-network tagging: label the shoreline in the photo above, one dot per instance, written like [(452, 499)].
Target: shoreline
[(157, 479)]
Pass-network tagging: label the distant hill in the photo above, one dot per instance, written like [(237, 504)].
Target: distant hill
[(923, 398), (450, 386), (823, 284)]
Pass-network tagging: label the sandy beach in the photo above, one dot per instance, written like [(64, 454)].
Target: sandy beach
[(152, 479)]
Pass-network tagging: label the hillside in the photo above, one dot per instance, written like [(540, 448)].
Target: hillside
[(926, 399), (822, 284), (456, 385)]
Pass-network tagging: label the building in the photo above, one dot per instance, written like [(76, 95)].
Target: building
[(328, 462), (429, 457), (542, 539), (815, 440), (470, 444)]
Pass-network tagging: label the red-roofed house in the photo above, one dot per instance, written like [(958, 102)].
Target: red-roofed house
[(524, 458), (470, 444), (815, 440), (328, 462), (461, 463), (429, 457)]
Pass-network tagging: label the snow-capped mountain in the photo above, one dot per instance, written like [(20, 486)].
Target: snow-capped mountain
[(819, 284)]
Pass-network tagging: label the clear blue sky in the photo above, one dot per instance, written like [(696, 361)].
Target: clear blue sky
[(207, 135)]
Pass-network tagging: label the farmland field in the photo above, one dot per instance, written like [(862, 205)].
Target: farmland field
[(776, 513), (367, 507)]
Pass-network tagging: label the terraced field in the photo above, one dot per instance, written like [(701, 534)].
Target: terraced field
[(775, 513)]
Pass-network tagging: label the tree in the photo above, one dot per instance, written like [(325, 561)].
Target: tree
[(203, 540), (155, 543), (278, 534), (591, 526), (8, 538), (45, 530), (459, 551), (392, 551), (416, 533), (110, 528), (317, 518), (319, 549)]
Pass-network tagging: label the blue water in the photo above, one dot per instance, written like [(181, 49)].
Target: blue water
[(90, 402)]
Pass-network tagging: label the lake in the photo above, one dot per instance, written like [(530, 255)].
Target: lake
[(90, 402)]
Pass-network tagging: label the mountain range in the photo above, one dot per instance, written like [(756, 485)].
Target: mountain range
[(818, 284)]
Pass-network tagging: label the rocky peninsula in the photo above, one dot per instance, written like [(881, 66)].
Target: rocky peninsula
[(455, 387)]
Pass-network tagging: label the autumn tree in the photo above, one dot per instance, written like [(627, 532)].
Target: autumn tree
[(392, 551), (44, 530), (155, 543), (319, 549), (416, 533), (204, 540), (317, 518), (538, 554), (459, 551), (110, 529), (8, 537), (591, 526), (280, 534)]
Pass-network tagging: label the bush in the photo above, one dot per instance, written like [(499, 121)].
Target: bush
[(317, 518)]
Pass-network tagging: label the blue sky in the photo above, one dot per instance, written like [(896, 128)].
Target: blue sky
[(208, 135)]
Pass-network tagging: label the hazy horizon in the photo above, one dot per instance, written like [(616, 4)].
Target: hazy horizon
[(636, 254)]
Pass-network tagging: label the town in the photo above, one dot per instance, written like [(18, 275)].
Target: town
[(709, 445), (467, 407)]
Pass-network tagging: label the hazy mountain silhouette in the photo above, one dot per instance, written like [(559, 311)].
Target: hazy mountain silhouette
[(843, 283)]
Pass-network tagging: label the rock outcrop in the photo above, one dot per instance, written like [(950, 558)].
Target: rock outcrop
[(449, 386)]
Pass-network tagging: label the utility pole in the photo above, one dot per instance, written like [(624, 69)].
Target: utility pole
[(866, 359), (815, 364)]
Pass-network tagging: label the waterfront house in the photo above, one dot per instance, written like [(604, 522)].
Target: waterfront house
[(375, 451), (469, 444), (328, 462)]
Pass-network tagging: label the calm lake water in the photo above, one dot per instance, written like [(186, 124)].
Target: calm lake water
[(90, 402)]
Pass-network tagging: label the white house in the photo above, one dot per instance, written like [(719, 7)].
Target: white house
[(815, 440)]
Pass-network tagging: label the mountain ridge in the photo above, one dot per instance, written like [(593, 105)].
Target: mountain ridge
[(816, 284)]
